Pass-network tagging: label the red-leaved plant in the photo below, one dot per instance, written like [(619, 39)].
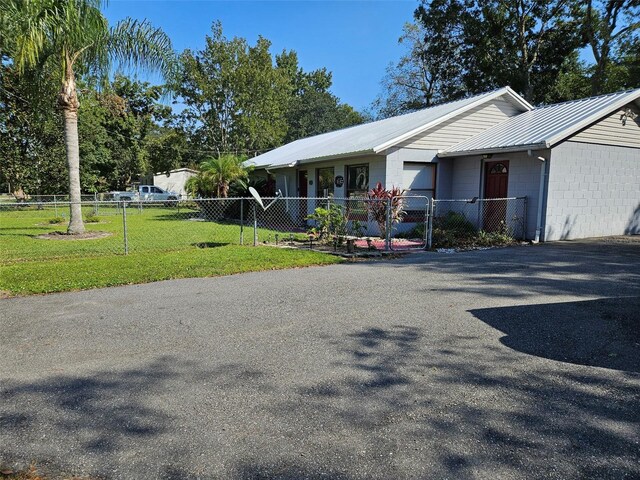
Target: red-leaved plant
[(377, 200)]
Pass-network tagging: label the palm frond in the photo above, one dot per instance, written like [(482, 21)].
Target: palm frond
[(136, 44), (53, 27)]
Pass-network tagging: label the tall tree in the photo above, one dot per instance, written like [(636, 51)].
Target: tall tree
[(30, 142), (520, 43), (462, 47), (311, 108), (610, 26), (72, 36), (431, 69), (239, 99), (233, 95)]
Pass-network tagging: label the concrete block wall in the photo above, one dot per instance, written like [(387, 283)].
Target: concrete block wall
[(594, 190)]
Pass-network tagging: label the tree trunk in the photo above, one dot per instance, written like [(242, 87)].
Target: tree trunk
[(76, 225), (68, 101)]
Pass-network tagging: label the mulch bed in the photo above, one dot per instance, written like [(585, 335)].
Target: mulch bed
[(94, 235)]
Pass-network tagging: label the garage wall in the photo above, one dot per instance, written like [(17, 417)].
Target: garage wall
[(594, 190), (397, 157)]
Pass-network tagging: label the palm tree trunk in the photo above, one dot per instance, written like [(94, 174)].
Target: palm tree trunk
[(68, 101), (76, 225)]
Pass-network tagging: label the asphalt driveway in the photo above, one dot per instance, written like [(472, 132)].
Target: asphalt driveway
[(510, 363)]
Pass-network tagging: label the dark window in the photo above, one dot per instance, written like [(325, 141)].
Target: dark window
[(325, 181), (498, 168), (357, 180)]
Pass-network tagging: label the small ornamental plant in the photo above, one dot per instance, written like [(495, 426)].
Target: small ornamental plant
[(329, 222), (378, 199)]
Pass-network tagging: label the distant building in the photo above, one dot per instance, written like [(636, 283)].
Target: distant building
[(174, 180)]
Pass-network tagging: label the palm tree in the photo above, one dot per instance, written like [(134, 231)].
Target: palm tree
[(74, 37), (219, 173)]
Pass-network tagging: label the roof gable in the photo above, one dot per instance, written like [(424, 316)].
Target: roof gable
[(376, 137), (543, 127)]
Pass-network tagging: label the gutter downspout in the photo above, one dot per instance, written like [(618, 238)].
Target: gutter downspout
[(543, 162)]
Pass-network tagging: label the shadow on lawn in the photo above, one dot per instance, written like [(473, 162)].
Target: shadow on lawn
[(210, 244), (459, 408)]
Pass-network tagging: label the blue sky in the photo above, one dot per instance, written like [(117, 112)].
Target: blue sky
[(355, 40)]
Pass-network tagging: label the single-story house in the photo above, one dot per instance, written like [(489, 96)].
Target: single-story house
[(174, 180), (577, 162)]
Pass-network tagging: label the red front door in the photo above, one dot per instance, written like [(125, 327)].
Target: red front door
[(496, 184)]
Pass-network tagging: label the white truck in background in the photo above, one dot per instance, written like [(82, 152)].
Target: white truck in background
[(146, 193)]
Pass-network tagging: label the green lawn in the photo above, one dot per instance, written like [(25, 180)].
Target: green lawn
[(163, 244), (151, 229)]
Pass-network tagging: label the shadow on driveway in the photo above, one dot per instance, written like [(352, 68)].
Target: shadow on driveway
[(596, 268), (598, 333), (461, 408)]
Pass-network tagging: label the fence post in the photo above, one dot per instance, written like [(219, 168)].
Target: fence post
[(387, 230), (432, 210), (95, 202), (55, 206), (524, 219), (242, 221), (255, 226), (124, 225)]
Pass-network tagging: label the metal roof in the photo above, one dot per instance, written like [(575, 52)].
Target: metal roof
[(375, 137), (543, 127)]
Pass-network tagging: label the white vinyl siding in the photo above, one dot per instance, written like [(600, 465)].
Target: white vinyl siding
[(610, 131), (463, 126)]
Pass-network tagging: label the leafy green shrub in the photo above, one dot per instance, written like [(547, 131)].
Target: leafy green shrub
[(358, 228), (456, 222), (329, 221), (491, 239), (91, 217), (462, 236), (416, 232)]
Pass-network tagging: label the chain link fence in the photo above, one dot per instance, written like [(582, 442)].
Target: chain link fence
[(36, 230), (477, 222)]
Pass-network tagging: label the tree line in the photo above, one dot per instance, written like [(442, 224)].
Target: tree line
[(547, 50), (230, 98), (69, 124)]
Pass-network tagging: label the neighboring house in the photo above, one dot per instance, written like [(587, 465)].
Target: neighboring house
[(174, 180), (578, 163)]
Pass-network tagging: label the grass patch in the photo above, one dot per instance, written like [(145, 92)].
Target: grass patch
[(159, 229), (164, 243), (79, 274)]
